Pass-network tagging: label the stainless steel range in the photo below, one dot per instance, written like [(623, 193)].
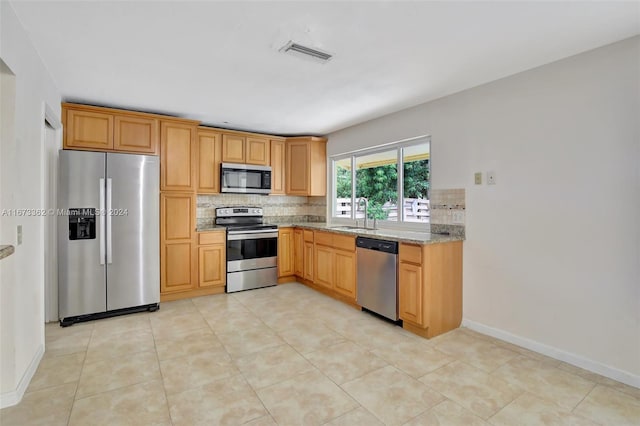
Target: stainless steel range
[(252, 248)]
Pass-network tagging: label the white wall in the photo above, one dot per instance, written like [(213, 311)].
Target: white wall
[(22, 275), (552, 255)]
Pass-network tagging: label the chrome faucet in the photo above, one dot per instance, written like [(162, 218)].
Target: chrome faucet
[(366, 206)]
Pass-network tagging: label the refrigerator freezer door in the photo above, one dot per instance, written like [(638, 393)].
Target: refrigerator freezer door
[(133, 255), (81, 277)]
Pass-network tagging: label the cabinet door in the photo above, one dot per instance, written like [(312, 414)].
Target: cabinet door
[(297, 171), (298, 253), (277, 167), (209, 153), (136, 134), (177, 157), (176, 239), (410, 293), (345, 279), (176, 272), (285, 252), (211, 265), (308, 261), (323, 266), (89, 130), (257, 151), (176, 217), (233, 149)]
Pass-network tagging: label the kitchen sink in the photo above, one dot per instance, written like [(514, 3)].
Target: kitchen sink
[(350, 228)]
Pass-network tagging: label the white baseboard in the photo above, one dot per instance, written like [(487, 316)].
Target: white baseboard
[(13, 397), (559, 354)]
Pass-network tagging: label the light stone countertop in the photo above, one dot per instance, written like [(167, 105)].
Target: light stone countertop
[(6, 251), (380, 234)]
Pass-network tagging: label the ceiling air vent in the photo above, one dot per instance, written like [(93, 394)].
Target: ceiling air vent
[(296, 49)]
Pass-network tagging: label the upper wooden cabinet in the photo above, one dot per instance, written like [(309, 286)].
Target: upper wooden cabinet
[(306, 171), (245, 149), (209, 159), (278, 165), (177, 156), (258, 151), (88, 130), (233, 150), (136, 134), (105, 129)]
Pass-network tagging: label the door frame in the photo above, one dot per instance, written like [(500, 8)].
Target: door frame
[(49, 186)]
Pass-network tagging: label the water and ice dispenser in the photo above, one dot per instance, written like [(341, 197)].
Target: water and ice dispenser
[(82, 224)]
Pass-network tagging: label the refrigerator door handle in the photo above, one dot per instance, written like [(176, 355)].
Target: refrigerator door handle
[(108, 217), (102, 223)]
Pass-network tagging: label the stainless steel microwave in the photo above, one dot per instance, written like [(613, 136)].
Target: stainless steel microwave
[(245, 178)]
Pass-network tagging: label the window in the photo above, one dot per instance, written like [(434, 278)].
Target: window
[(387, 176)]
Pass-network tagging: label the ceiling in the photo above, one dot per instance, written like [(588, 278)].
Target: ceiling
[(219, 62)]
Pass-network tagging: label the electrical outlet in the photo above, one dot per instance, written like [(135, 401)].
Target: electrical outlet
[(19, 236), (491, 178), (458, 218), (478, 178)]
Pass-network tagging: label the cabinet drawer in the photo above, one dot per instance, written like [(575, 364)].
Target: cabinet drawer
[(216, 237), (344, 242), (411, 253), (324, 238), (308, 235)]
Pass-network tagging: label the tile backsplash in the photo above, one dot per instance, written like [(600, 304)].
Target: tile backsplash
[(277, 208), (448, 210)]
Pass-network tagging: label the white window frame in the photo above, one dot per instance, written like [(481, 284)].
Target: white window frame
[(399, 146)]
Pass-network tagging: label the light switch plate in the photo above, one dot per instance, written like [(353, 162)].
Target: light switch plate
[(478, 178), (491, 178), (19, 236)]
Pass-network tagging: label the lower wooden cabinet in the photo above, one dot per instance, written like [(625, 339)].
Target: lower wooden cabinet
[(211, 266), (345, 281), (324, 266), (430, 287), (298, 252), (192, 264), (308, 261), (177, 273), (410, 293), (177, 256), (335, 264), (285, 252), (212, 260)]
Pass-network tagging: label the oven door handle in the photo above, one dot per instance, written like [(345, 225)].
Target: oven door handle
[(254, 231), (251, 235)]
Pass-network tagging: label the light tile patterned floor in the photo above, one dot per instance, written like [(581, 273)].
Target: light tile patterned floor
[(288, 355)]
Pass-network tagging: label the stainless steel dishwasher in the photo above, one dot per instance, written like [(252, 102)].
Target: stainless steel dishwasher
[(378, 276)]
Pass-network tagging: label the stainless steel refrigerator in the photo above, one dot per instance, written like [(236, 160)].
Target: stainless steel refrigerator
[(108, 234)]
